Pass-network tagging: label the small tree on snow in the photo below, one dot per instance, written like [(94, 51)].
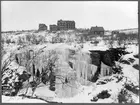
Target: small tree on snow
[(111, 41)]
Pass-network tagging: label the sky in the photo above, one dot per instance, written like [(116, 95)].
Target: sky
[(26, 15)]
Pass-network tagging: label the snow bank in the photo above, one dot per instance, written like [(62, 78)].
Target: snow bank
[(131, 73), (18, 99)]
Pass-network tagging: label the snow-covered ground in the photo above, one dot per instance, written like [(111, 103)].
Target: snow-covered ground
[(19, 99), (84, 93)]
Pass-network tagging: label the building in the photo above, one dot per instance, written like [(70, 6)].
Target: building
[(53, 27), (42, 27), (97, 30), (65, 25), (115, 32)]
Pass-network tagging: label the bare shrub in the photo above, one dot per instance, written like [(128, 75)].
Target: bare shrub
[(121, 39), (6, 62), (8, 41), (35, 39), (28, 38), (48, 72), (125, 97), (20, 41), (111, 42)]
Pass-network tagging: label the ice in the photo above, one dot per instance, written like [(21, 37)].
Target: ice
[(79, 88)]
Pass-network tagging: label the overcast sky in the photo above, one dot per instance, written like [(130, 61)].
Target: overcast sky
[(26, 15)]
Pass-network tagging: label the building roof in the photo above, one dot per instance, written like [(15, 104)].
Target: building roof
[(97, 28), (53, 25), (65, 20)]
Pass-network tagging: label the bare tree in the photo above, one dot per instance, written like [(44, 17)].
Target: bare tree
[(7, 62), (111, 41)]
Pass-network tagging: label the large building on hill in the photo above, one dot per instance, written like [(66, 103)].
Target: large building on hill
[(53, 27), (65, 25), (42, 27), (97, 30)]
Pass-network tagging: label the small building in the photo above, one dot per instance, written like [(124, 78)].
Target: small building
[(53, 27), (97, 30), (115, 32), (42, 27), (65, 25)]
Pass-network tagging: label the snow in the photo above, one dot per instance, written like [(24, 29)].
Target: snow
[(88, 92), (82, 97), (138, 101), (133, 30), (80, 89), (128, 56), (18, 99), (131, 73), (88, 46), (128, 70), (44, 92)]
